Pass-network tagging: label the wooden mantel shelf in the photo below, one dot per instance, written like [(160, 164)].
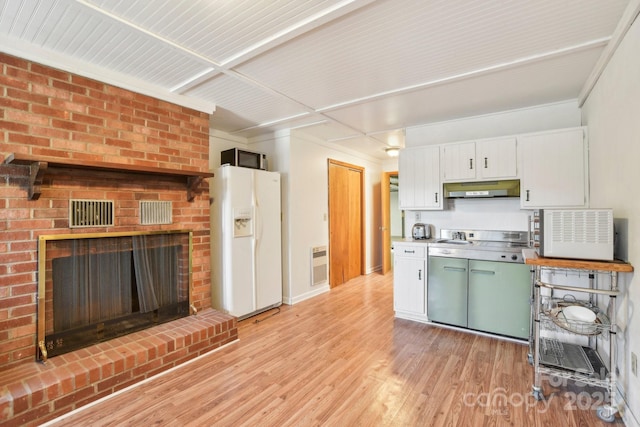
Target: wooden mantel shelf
[(39, 165)]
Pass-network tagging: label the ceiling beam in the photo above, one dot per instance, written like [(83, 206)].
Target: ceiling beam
[(314, 21), (628, 17)]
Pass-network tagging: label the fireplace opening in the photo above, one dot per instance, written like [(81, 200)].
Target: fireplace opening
[(101, 286)]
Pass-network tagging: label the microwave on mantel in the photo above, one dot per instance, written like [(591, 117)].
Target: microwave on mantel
[(243, 158), (576, 233)]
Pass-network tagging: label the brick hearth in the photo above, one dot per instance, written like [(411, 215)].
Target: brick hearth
[(34, 393)]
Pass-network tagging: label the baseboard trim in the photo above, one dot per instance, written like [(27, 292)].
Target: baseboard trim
[(307, 295), (627, 416)]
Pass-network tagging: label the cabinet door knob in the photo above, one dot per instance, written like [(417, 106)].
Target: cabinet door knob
[(527, 195), (470, 163), (485, 163), (419, 274), (436, 197)]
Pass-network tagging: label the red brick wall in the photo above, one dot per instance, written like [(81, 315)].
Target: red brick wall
[(47, 112)]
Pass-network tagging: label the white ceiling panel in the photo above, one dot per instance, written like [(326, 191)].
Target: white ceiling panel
[(252, 103), (350, 72), (363, 145), (544, 82), (401, 43), (71, 29), (329, 130), (222, 29)]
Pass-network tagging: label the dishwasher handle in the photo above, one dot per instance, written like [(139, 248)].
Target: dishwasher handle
[(475, 271)]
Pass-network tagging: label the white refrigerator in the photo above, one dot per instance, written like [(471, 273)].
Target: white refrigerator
[(246, 241)]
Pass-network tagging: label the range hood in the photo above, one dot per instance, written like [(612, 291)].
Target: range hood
[(471, 190)]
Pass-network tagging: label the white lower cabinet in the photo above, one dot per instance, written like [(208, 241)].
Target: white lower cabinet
[(410, 281)]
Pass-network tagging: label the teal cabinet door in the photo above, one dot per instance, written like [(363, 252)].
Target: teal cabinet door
[(499, 294), (447, 290)]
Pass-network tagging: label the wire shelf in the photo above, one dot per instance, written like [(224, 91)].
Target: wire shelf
[(553, 318)]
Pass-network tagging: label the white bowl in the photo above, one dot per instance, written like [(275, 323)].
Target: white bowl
[(579, 313)]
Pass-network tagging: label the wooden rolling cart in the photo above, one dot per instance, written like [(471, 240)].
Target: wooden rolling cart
[(557, 358)]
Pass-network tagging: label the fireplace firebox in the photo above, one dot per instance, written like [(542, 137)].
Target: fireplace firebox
[(97, 286)]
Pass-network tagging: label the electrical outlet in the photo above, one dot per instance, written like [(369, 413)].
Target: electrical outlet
[(417, 216), (634, 364)]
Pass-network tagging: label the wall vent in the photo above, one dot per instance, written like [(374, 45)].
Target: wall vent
[(318, 265), (90, 213), (155, 212)]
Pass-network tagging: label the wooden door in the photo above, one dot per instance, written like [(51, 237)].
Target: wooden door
[(385, 214), (338, 222), (345, 222)]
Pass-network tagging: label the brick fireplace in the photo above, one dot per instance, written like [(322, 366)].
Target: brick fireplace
[(55, 127)]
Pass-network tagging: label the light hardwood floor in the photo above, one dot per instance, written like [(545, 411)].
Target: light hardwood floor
[(341, 359)]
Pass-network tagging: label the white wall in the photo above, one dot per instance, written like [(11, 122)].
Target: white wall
[(390, 164), (525, 120), (309, 207), (473, 214), (220, 141), (612, 114)]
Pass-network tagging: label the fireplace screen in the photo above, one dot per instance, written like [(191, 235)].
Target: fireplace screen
[(100, 286)]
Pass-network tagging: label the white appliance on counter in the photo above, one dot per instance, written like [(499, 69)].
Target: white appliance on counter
[(576, 233), (246, 236)]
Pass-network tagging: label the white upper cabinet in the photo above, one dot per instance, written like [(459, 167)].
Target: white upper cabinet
[(459, 161), (552, 166), (554, 169), (496, 158), (480, 160), (419, 185)]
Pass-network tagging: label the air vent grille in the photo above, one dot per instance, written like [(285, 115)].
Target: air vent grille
[(155, 212), (90, 213), (318, 265)]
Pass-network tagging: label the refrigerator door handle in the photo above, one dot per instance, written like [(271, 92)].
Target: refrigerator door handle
[(257, 220)]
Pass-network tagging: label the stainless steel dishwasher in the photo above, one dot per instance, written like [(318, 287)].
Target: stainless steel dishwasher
[(477, 280)]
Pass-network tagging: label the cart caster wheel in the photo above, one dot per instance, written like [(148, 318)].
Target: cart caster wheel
[(606, 413), (537, 395)]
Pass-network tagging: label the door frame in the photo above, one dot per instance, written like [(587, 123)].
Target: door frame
[(385, 218), (361, 171)]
